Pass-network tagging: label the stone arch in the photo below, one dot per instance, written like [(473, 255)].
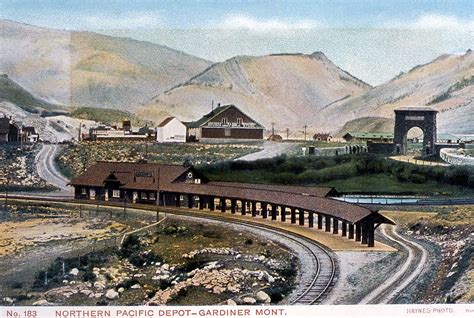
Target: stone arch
[(421, 117)]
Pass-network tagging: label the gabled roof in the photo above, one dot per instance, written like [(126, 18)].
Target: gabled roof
[(215, 112), (204, 119), (130, 174), (165, 121)]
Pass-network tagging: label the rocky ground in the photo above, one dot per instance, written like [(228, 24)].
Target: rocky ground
[(18, 169), (180, 263), (77, 157), (448, 236)]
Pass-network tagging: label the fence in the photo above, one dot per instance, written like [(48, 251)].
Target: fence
[(450, 155)]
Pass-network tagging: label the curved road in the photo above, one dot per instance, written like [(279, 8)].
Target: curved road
[(406, 273), (47, 169), (270, 149)]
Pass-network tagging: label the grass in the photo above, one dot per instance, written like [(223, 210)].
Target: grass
[(454, 216), (384, 184), (357, 173)]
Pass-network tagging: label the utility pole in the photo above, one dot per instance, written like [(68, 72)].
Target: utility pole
[(287, 133), (158, 196), (273, 129), (305, 126)]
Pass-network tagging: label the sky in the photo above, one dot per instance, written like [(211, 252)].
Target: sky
[(374, 40)]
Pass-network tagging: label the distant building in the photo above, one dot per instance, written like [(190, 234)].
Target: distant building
[(322, 137), (12, 131), (368, 136), (112, 133), (171, 130), (225, 122)]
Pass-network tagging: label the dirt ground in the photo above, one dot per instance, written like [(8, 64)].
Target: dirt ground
[(16, 235)]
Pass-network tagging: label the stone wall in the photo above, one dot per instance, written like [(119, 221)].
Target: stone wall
[(453, 156)]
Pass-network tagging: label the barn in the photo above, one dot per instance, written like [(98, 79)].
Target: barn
[(171, 130), (225, 122)]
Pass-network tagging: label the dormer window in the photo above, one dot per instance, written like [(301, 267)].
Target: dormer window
[(224, 121), (240, 121)]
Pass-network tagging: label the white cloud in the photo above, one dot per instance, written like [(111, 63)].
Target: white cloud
[(436, 21), (130, 20), (252, 24)]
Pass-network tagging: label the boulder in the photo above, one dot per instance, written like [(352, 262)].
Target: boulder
[(8, 300), (136, 286), (42, 302), (165, 267), (230, 302), (262, 297), (249, 301), (111, 294), (86, 292), (74, 271), (99, 285), (121, 290)]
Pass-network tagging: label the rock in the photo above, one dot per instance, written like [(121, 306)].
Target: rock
[(230, 302), (74, 271), (98, 295), (136, 286), (165, 267), (262, 297), (121, 290), (249, 301), (65, 281), (111, 294), (8, 300), (99, 285), (42, 302), (86, 292)]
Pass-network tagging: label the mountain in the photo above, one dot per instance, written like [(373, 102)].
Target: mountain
[(445, 84), (50, 121), (286, 89), (89, 69), (12, 92), (367, 124)]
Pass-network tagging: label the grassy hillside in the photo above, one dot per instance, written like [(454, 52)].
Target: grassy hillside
[(12, 92), (107, 116)]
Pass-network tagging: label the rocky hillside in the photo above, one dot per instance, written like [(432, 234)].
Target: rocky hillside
[(446, 84), (287, 89), (88, 69), (369, 124)]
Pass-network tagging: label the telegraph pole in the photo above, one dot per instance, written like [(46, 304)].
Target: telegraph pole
[(305, 126), (287, 133), (273, 129)]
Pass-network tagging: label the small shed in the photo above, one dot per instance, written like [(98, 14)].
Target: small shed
[(171, 130)]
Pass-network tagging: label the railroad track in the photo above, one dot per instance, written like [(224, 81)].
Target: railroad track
[(317, 278)]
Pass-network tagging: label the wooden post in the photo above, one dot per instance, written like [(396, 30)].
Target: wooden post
[(335, 226), (327, 223), (223, 205), (242, 209), (351, 231), (274, 212), (301, 217), (358, 232), (310, 218), (190, 201), (212, 204), (320, 221), (264, 210), (233, 204), (283, 213), (254, 209), (344, 228), (293, 215)]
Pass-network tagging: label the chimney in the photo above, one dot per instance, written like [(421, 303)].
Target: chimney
[(218, 105)]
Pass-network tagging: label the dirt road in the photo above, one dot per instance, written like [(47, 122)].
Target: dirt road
[(270, 149), (47, 169)]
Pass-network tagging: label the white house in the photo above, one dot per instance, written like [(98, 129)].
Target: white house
[(171, 130)]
